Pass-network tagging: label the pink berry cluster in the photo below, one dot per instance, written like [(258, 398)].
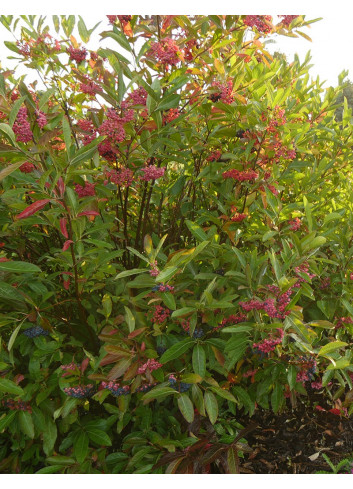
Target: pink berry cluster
[(22, 127), (90, 88), (260, 22), (80, 391), (89, 130), (116, 389), (316, 385), (171, 115), (16, 405), (138, 97), (154, 272), (124, 19), (308, 367), (150, 365), (27, 167), (77, 54), (112, 127), (241, 176), (106, 150), (160, 314), (303, 268), (165, 52), (232, 319), (189, 48), (41, 119), (214, 156), (287, 19), (236, 216), (275, 119), (224, 92), (69, 366), (342, 321), (274, 307), (122, 177), (295, 224), (269, 344), (152, 172), (282, 151), (86, 191)]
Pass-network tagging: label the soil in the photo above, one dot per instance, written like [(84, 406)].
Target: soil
[(283, 443)]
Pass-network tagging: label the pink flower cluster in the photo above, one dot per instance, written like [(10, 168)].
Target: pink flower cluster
[(21, 126), (240, 176), (88, 127), (165, 52), (86, 191), (260, 22), (151, 365), (152, 172), (287, 19), (225, 93), (122, 177), (27, 167), (138, 97), (41, 119), (214, 156), (269, 344), (160, 314), (90, 88), (295, 224), (77, 54), (283, 152), (251, 305)]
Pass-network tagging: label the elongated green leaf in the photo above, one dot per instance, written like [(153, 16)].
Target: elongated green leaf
[(196, 231), (13, 337), (158, 392), (49, 436), (81, 447), (241, 395), (26, 423), (6, 420), (130, 320), (168, 300), (10, 387), (186, 407), (18, 267), (166, 274), (10, 169), (211, 406), (99, 437), (182, 311), (177, 350), (6, 130), (9, 293), (330, 347), (223, 393), (199, 360), (277, 397)]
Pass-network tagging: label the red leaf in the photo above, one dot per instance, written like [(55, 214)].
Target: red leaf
[(136, 333), (335, 411), (67, 273), (63, 227), (61, 186), (67, 284), (33, 208), (67, 244), (88, 213), (84, 364)]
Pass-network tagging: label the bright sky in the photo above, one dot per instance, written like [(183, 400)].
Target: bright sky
[(332, 37)]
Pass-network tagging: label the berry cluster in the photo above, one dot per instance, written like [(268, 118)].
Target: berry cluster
[(80, 391), (22, 127), (86, 191), (150, 365), (303, 268), (269, 344), (152, 172), (198, 332), (77, 54), (236, 216), (138, 97), (88, 127), (27, 167), (112, 127), (35, 331), (165, 52), (287, 19), (154, 272), (232, 319), (171, 115), (160, 314), (122, 177), (16, 406), (41, 119), (178, 386), (90, 88), (106, 150), (308, 368), (260, 22), (116, 389), (163, 288), (188, 49), (146, 387), (214, 156), (295, 224), (240, 176), (224, 92), (342, 321)]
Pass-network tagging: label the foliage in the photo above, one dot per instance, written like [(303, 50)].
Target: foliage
[(176, 236)]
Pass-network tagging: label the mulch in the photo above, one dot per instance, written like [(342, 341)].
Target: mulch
[(282, 443)]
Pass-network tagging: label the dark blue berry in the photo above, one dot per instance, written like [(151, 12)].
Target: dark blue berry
[(35, 331)]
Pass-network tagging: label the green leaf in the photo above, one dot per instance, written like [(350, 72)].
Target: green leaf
[(6, 130), (211, 405), (339, 364), (158, 392), (330, 347), (277, 397), (177, 350), (244, 398), (10, 387), (191, 378), (82, 30), (10, 169), (18, 267), (292, 376), (130, 320), (186, 407), (128, 273), (26, 423), (166, 274), (81, 447), (52, 469), (196, 231), (223, 393), (183, 311), (49, 436), (199, 360), (85, 153), (13, 337), (168, 300), (6, 420), (99, 437), (66, 134), (315, 243)]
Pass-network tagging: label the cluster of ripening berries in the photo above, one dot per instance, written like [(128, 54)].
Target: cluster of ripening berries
[(16, 406), (150, 365), (35, 331), (269, 344), (308, 368), (160, 314), (163, 288), (230, 320), (198, 332), (116, 389), (80, 391), (178, 386)]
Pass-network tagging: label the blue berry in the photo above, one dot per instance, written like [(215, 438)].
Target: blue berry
[(161, 349), (35, 331), (198, 333)]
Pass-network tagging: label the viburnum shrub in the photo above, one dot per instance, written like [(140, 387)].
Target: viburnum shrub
[(176, 242)]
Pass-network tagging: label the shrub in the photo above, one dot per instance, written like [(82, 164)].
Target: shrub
[(175, 243)]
